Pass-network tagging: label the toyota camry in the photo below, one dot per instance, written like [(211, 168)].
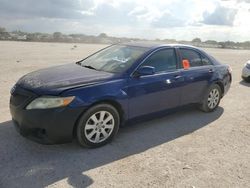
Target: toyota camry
[(89, 100)]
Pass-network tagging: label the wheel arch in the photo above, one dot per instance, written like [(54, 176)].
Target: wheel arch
[(221, 85), (111, 102)]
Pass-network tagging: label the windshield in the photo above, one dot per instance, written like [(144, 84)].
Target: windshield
[(115, 59)]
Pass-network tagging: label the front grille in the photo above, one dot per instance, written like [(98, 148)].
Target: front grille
[(21, 96)]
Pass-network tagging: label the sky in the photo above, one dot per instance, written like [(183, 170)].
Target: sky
[(219, 20)]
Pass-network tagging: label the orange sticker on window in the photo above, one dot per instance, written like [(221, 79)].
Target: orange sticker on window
[(185, 64)]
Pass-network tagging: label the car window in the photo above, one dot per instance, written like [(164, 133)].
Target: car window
[(192, 56), (205, 61), (115, 59), (162, 60)]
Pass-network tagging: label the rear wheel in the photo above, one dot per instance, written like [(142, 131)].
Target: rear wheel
[(211, 99), (98, 126), (247, 79)]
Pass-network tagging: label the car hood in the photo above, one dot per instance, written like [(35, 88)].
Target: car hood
[(54, 80)]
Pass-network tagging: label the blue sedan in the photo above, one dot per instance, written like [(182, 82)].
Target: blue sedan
[(90, 99)]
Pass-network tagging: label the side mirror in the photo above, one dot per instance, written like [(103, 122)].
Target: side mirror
[(144, 70), (186, 64)]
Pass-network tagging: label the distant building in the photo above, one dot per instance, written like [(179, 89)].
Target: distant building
[(22, 37), (5, 36)]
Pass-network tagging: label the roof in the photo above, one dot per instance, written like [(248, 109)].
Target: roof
[(149, 44)]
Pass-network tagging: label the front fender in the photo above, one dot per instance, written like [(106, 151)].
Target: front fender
[(109, 91)]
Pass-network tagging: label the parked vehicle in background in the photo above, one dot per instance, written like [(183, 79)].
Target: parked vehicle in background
[(246, 72), (91, 98)]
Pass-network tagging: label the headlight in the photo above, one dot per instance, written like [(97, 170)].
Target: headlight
[(49, 102)]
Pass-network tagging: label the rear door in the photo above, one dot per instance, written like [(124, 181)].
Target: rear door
[(152, 93), (197, 77)]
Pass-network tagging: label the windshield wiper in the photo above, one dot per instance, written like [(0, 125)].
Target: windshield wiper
[(89, 66), (79, 62), (86, 66)]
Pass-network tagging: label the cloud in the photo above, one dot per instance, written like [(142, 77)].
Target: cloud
[(130, 18), (246, 1), (138, 11), (68, 9), (220, 16), (168, 20), (112, 14)]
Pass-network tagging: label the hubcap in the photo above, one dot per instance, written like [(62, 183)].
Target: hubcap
[(99, 126), (213, 98)]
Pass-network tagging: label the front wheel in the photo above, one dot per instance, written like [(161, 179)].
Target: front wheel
[(98, 126), (211, 99)]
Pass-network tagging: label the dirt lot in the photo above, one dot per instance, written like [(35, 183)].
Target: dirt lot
[(184, 149)]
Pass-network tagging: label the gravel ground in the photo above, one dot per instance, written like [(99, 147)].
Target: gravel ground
[(183, 149)]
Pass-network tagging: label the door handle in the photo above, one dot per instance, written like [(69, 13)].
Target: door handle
[(177, 77), (168, 81), (211, 70)]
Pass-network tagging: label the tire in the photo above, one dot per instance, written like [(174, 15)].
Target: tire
[(211, 99), (98, 126), (246, 79)]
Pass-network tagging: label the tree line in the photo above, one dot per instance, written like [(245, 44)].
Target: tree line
[(105, 39)]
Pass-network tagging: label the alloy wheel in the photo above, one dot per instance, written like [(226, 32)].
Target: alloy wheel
[(213, 98), (99, 126)]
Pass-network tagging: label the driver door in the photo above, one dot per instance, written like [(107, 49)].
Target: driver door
[(159, 91)]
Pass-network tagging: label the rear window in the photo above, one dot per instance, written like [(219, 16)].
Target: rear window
[(192, 56), (195, 59)]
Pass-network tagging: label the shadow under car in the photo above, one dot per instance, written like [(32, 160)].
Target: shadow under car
[(27, 164)]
